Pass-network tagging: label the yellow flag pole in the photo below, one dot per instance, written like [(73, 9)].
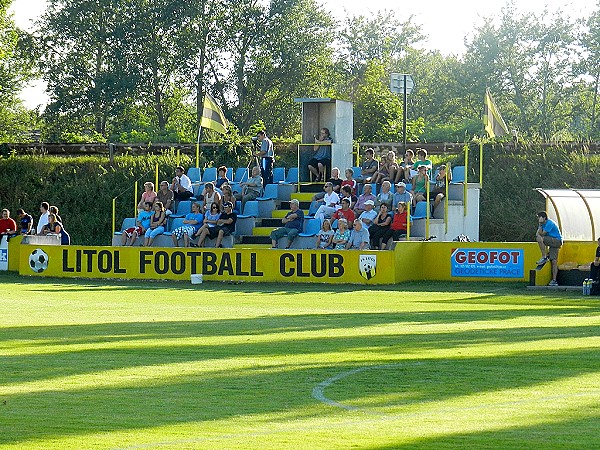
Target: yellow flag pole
[(480, 164), (114, 215), (156, 177), (466, 179), (135, 194)]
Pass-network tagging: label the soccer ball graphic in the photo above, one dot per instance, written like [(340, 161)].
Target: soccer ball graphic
[(38, 260)]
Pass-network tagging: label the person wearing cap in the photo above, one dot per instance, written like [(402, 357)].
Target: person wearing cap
[(369, 214), (292, 225), (225, 226), (367, 194), (548, 236), (401, 194), (359, 237)]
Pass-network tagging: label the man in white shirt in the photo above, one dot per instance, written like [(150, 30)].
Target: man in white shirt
[(331, 205), (44, 207), (182, 185)]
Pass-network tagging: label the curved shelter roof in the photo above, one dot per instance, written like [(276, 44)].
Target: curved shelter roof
[(576, 211)]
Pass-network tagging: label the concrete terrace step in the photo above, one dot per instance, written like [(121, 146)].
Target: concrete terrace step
[(303, 196), (262, 231), (280, 213), (253, 240)]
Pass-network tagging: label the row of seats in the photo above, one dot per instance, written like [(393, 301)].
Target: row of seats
[(241, 174)]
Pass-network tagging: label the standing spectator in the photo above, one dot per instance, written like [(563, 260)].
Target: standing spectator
[(166, 197), (252, 188), (225, 226), (181, 185), (157, 224), (54, 210), (322, 157), (8, 226), (369, 166), (399, 225), (548, 235), (142, 223), (341, 236), (595, 266), (191, 224), (149, 195), (368, 215), (325, 235), (380, 226), (292, 225), (25, 221), (330, 203), (402, 195), (367, 194), (44, 207), (267, 155), (359, 237), (55, 228), (344, 212)]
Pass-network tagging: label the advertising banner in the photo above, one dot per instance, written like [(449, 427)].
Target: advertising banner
[(487, 263)]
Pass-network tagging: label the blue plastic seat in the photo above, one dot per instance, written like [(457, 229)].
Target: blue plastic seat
[(311, 227), (229, 173), (458, 174), (241, 174), (278, 174), (292, 175), (194, 174), (210, 174), (183, 208), (128, 222), (251, 209), (270, 192), (175, 223), (420, 210), (357, 172)]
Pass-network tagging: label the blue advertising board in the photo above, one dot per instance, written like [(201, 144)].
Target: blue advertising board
[(487, 263)]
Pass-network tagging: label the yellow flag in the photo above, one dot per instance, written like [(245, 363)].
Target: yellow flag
[(212, 115), (492, 120)]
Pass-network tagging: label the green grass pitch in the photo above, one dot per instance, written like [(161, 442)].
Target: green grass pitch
[(131, 365)]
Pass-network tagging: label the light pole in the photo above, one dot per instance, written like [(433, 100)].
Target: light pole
[(402, 83)]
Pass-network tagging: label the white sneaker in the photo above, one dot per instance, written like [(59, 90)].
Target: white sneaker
[(553, 283), (541, 260)]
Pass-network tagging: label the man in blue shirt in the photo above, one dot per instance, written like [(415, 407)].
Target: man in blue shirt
[(292, 225), (548, 235), (267, 155)]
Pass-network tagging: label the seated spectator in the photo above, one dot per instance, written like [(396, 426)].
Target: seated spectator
[(142, 223), (330, 203), (325, 235), (210, 196), (398, 226), (221, 177), (322, 158), (25, 222), (225, 226), (369, 167), (166, 197), (55, 228), (344, 212), (423, 161), (251, 189), (227, 195), (181, 185), (158, 222), (335, 180), (595, 266), (191, 224), (385, 196), (292, 225), (341, 236), (359, 237), (379, 226), (367, 194), (368, 215), (147, 196), (349, 181), (210, 219), (387, 169), (8, 227), (405, 171), (347, 193), (420, 185), (44, 207), (402, 195), (439, 188)]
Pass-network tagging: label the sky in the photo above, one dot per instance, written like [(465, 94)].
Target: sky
[(445, 23)]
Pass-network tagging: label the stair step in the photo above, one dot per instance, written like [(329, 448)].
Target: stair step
[(275, 223), (311, 187), (303, 205), (303, 196), (262, 231), (280, 213), (265, 240), (239, 246)]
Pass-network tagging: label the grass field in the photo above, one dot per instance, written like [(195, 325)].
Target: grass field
[(172, 366)]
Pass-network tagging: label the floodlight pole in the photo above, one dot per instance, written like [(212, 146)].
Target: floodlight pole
[(405, 94)]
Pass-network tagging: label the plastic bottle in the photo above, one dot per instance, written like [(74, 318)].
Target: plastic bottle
[(584, 287), (589, 287)]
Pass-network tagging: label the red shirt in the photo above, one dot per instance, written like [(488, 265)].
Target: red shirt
[(7, 225), (399, 222), (351, 183), (348, 215)]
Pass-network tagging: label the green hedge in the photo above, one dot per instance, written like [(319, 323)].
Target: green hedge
[(83, 187)]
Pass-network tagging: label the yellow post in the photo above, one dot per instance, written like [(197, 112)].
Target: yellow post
[(480, 164), (178, 156), (197, 155), (135, 194), (448, 170), (466, 179), (427, 209), (156, 177), (114, 219)]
